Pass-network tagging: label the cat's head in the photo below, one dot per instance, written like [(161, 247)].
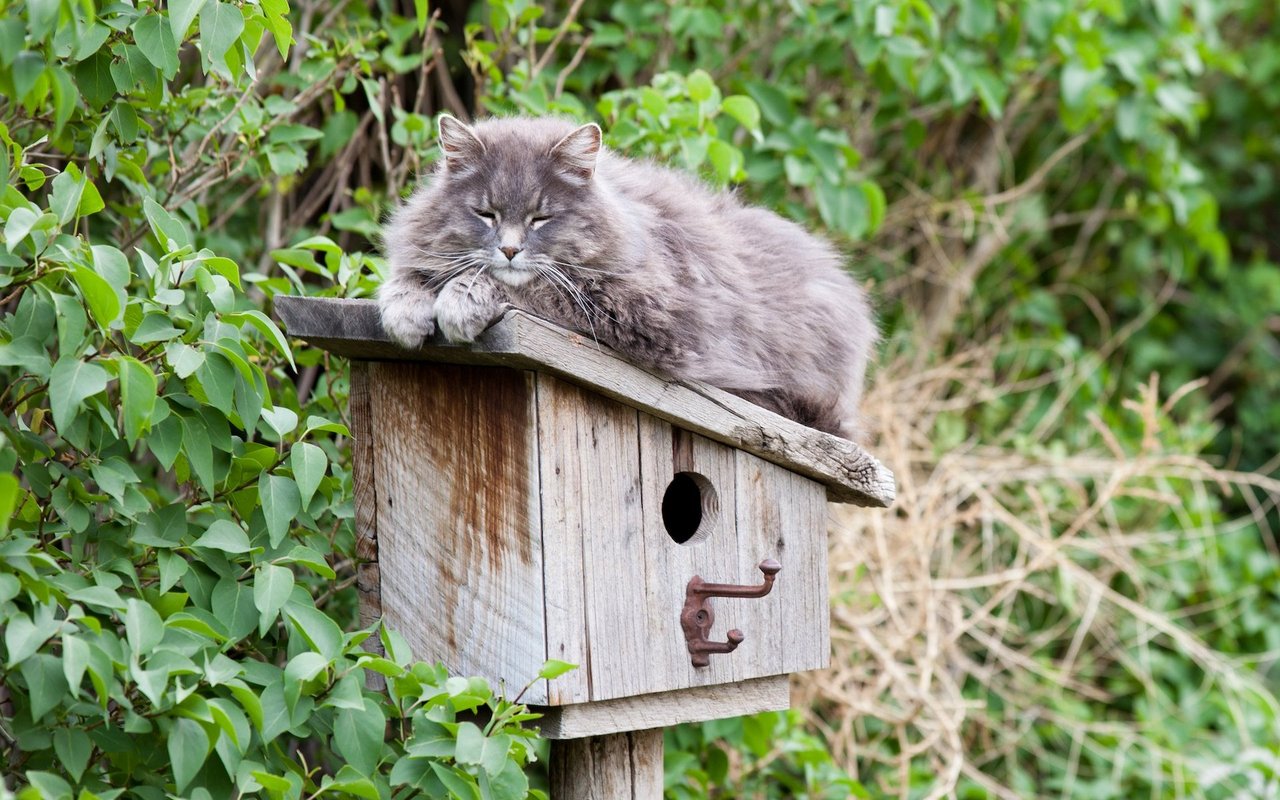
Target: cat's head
[(520, 195)]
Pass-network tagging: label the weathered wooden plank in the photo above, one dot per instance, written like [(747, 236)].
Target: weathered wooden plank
[(665, 708), (622, 766), (783, 516), (457, 505), (592, 533), (712, 554), (368, 577), (851, 475)]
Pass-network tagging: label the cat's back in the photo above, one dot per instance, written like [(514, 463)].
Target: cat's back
[(676, 204)]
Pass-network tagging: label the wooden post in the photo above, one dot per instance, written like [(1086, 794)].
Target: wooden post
[(616, 766)]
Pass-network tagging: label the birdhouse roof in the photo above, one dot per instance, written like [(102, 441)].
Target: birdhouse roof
[(352, 328)]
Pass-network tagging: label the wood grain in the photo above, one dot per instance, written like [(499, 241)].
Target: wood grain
[(784, 515), (364, 489), (622, 766), (593, 535), (850, 474), (665, 708), (458, 517)]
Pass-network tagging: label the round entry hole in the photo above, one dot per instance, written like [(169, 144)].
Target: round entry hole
[(689, 508)]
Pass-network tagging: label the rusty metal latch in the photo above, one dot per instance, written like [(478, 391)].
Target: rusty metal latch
[(697, 617)]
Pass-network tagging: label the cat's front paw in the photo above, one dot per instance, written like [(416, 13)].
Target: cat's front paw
[(409, 321), (466, 306)]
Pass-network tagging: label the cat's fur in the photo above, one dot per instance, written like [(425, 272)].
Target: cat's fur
[(649, 261)]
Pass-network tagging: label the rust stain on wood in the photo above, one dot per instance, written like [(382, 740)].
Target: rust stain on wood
[(477, 421)]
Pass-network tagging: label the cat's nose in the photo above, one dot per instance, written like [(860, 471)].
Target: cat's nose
[(510, 252)]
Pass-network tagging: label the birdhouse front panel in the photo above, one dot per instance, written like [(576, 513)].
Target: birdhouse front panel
[(633, 509)]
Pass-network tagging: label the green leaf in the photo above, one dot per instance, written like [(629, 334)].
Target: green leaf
[(232, 604), (277, 13), (93, 76), (875, 205), (22, 638), (20, 223), (305, 666), (137, 396), (358, 735), (143, 626), (46, 683), (280, 504), (220, 27), (510, 783), (99, 295), (700, 86), (199, 451), (71, 383), (181, 15), (184, 358), (9, 493), (744, 110), (188, 748), (47, 785), (315, 424), (470, 749), (844, 208), (459, 784), (309, 464), (67, 189), (310, 559), (226, 536), (350, 781), (156, 41), (316, 627), (726, 159), (991, 91), (75, 659), (74, 748), (282, 420), (268, 328), (271, 588), (171, 233), (554, 668), (165, 441)]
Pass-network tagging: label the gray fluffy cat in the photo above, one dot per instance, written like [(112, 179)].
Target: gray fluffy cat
[(532, 213)]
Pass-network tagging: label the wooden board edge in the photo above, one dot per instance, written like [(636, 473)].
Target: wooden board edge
[(663, 709)]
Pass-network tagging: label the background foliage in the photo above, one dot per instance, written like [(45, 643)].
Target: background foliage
[(1053, 201)]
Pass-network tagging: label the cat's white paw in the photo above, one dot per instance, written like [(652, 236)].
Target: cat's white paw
[(409, 321), (466, 306)]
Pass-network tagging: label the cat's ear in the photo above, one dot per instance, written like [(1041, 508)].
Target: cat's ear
[(577, 152), (459, 143)]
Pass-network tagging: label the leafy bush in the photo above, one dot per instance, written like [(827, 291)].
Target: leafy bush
[(175, 502)]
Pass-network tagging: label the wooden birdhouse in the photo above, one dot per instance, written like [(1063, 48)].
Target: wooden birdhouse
[(535, 496)]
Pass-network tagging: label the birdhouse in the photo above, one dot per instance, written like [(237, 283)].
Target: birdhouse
[(535, 496)]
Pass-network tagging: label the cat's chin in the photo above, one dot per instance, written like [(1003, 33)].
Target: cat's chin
[(512, 277)]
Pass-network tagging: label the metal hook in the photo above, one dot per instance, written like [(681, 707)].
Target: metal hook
[(696, 618)]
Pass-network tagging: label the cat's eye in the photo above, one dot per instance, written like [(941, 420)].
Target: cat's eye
[(539, 221), (488, 216)]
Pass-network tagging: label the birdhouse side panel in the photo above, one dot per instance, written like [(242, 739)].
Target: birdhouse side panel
[(593, 540), (458, 516), (785, 515)]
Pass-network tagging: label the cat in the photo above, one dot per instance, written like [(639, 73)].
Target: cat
[(533, 213)]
